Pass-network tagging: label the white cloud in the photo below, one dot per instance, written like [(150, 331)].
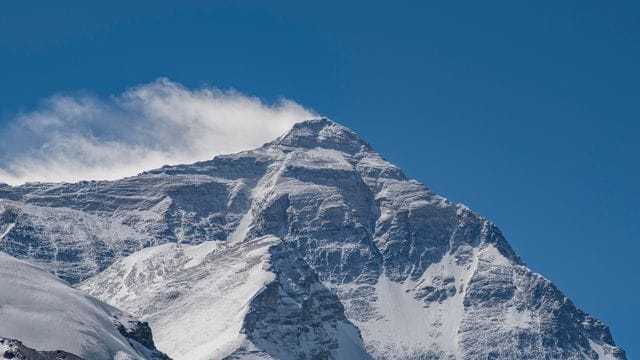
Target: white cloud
[(82, 137)]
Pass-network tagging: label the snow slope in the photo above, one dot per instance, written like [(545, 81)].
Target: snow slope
[(214, 283), (47, 314)]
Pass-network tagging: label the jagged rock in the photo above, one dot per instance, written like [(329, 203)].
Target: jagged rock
[(15, 350)]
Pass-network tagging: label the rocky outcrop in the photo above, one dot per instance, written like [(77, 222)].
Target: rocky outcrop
[(15, 350)]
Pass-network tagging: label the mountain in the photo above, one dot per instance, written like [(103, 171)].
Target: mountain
[(47, 314), (311, 246)]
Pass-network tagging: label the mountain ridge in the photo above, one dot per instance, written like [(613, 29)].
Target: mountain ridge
[(371, 236)]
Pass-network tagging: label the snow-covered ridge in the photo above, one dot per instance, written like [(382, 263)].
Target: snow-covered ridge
[(47, 314), (327, 233), (214, 283)]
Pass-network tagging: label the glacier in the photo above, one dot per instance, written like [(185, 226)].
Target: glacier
[(312, 246)]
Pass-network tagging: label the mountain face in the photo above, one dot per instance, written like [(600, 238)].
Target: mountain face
[(47, 314), (310, 247), (235, 298)]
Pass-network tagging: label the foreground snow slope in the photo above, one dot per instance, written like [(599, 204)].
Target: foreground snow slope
[(47, 314), (343, 215)]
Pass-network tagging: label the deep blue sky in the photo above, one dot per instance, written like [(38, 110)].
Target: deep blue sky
[(527, 111)]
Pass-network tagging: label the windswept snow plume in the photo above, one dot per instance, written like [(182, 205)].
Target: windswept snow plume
[(81, 137)]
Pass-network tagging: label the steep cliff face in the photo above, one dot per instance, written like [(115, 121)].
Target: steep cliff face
[(359, 254)]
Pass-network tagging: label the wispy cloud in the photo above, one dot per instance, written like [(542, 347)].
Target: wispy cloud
[(82, 137)]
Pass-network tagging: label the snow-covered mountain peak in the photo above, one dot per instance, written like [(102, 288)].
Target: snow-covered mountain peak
[(351, 241), (322, 133)]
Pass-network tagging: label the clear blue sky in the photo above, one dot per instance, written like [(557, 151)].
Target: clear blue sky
[(527, 111)]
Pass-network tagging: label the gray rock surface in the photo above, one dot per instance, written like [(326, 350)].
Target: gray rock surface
[(15, 350)]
